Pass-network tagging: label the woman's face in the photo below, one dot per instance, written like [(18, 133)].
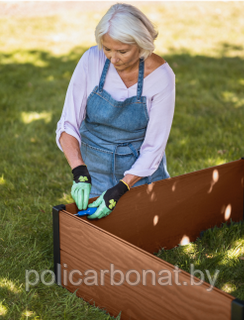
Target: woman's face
[(122, 56)]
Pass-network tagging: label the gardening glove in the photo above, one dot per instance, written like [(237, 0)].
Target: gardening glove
[(108, 200), (81, 187)]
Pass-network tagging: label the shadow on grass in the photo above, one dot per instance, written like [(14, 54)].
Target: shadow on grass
[(34, 175)]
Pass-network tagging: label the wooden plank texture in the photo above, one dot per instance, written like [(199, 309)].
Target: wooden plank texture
[(85, 246), (173, 211)]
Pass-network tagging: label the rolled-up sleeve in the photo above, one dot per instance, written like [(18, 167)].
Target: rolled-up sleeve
[(75, 102), (158, 130)]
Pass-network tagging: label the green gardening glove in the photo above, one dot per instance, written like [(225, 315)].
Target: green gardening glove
[(108, 200), (81, 187)]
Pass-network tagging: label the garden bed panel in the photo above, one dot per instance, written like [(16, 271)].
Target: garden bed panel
[(147, 218)]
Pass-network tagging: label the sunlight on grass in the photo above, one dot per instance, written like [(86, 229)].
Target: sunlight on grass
[(66, 198), (2, 180), (228, 287), (215, 161), (189, 248), (50, 78), (3, 309), (236, 99), (9, 285), (28, 314), (184, 141), (225, 261), (28, 117), (184, 36), (25, 57), (176, 24), (238, 249)]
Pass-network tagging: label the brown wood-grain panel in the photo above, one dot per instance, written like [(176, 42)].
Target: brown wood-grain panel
[(163, 213), (85, 246)]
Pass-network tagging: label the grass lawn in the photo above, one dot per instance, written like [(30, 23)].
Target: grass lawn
[(220, 251), (202, 42)]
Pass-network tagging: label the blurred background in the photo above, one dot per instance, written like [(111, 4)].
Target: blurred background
[(40, 45)]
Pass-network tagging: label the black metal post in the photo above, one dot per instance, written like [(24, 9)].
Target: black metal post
[(237, 309), (56, 242)]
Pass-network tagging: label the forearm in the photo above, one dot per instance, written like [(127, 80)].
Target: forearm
[(130, 179), (71, 150)]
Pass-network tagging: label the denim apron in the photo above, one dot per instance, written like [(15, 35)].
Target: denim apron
[(112, 134)]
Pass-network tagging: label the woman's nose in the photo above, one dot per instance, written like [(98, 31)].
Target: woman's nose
[(114, 58)]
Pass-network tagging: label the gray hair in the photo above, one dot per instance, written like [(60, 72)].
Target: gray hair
[(127, 24)]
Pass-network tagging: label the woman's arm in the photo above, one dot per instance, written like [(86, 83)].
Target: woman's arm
[(75, 104), (159, 126), (161, 111), (130, 179), (71, 149)]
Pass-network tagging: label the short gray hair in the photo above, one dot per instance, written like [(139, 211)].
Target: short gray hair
[(127, 24)]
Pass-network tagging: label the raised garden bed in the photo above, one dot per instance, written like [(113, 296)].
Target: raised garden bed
[(164, 214)]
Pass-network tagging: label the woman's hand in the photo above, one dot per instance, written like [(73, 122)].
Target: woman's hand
[(81, 188), (108, 200)]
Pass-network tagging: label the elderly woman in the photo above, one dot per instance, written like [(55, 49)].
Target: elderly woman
[(118, 112)]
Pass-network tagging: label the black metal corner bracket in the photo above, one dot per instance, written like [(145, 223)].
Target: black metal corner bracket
[(56, 242), (237, 309)]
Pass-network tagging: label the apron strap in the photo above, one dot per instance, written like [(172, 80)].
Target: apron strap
[(140, 79), (103, 76)]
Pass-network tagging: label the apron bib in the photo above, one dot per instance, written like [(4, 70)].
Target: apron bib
[(112, 134)]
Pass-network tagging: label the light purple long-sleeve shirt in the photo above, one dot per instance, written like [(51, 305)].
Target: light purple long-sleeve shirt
[(158, 87)]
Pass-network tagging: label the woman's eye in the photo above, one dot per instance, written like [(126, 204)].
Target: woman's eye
[(122, 52)]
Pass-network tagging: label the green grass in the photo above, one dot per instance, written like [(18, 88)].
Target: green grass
[(37, 58), (219, 249)]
